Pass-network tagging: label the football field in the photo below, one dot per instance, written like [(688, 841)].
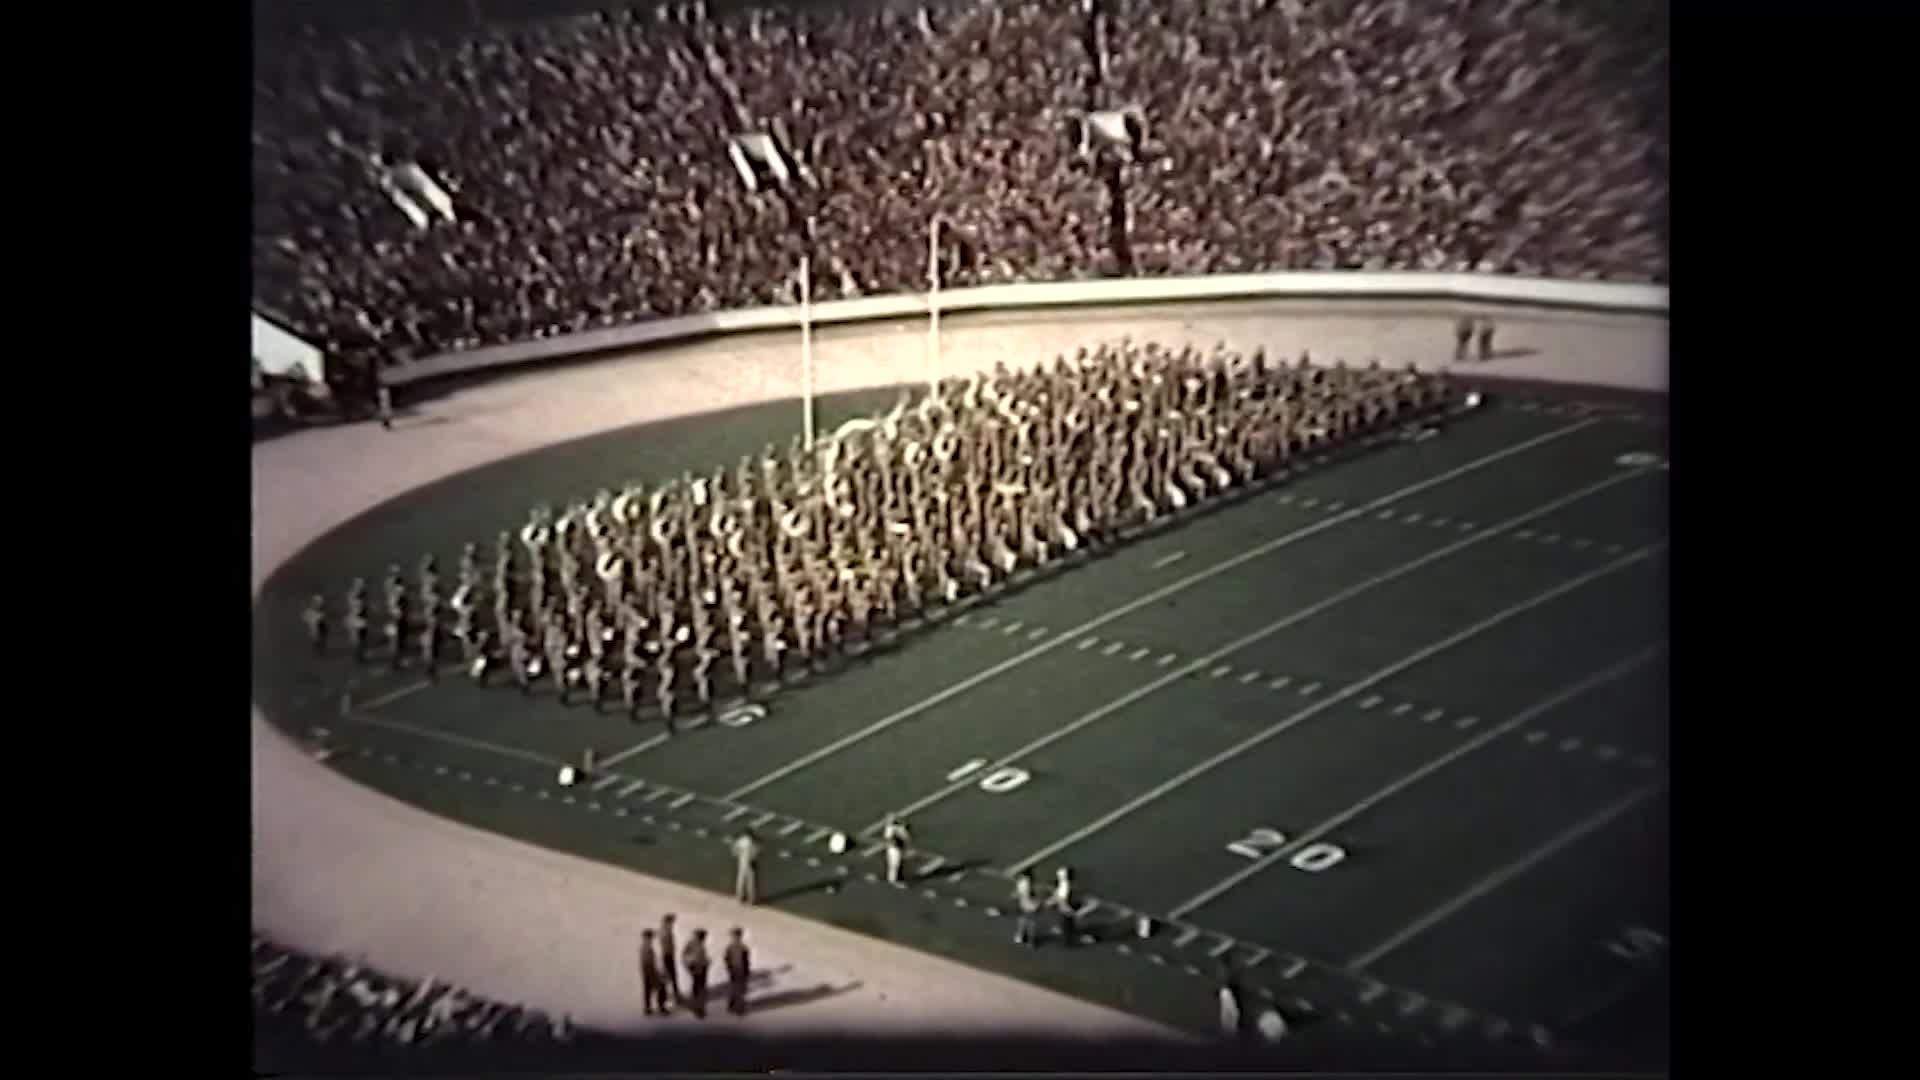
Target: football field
[(1388, 735)]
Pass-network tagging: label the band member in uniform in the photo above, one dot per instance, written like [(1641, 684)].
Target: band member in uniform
[(357, 631), (1028, 906), (595, 677), (1062, 903), (315, 616), (895, 836), (1486, 339), (1462, 339), (428, 644), (390, 628)]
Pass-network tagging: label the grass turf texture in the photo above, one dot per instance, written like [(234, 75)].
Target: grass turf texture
[(1529, 891)]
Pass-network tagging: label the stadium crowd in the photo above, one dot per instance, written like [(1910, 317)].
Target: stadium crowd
[(336, 1002), (591, 177)]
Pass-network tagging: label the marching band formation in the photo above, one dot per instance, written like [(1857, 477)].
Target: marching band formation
[(707, 588)]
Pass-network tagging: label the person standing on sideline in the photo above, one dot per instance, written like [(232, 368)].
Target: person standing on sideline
[(1462, 340), (653, 988), (1232, 997), (746, 877), (383, 400), (739, 965), (669, 959), (1062, 902), (895, 835), (1029, 906), (1486, 340), (695, 958)]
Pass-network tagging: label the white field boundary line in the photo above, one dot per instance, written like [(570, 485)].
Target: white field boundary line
[(1260, 952), (1531, 712), (1335, 698), (1500, 877), (1300, 615), (1154, 597)]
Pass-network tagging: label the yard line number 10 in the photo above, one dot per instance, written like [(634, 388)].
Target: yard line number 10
[(1260, 843)]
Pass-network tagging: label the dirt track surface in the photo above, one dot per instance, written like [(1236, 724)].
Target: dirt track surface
[(341, 868)]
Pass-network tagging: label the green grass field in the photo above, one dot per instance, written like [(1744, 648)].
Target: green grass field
[(1389, 734)]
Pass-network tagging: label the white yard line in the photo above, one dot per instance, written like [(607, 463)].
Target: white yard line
[(1501, 876), (1177, 674), (393, 696), (1154, 597), (459, 740), (1330, 700), (1591, 682), (637, 748)]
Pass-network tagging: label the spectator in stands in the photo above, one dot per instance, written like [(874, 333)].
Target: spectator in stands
[(506, 183)]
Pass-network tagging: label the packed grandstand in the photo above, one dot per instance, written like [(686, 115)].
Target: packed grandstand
[(432, 192)]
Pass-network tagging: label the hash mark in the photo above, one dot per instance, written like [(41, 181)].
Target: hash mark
[(1012, 627), (1413, 518), (1249, 677), (1370, 701), (736, 812), (1371, 991), (1088, 643), (1294, 968), (1138, 653), (1310, 689), (1280, 683), (1498, 1027), (1411, 1002), (1438, 522), (1465, 526), (960, 901), (1536, 737), (1186, 936), (631, 788), (819, 835), (1168, 560), (1455, 1018), (1466, 722), (1113, 647), (758, 823), (792, 827), (656, 793), (1220, 672), (1523, 534), (1164, 660), (1220, 950), (1038, 633), (1570, 744), (1402, 709), (606, 781), (1156, 958), (1550, 538), (987, 622), (681, 801)]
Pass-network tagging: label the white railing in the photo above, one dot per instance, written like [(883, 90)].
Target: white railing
[(1471, 288)]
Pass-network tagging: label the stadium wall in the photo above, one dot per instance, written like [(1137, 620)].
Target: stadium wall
[(1466, 288)]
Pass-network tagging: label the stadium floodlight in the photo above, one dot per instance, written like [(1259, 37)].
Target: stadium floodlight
[(760, 161)]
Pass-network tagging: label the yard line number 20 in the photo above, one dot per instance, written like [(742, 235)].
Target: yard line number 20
[(1262, 842)]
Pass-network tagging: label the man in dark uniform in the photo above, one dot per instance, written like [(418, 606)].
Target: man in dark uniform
[(1486, 340), (695, 957), (1462, 339), (315, 616), (739, 966), (653, 988), (669, 959)]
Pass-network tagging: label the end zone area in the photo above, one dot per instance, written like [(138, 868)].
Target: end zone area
[(1388, 735)]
